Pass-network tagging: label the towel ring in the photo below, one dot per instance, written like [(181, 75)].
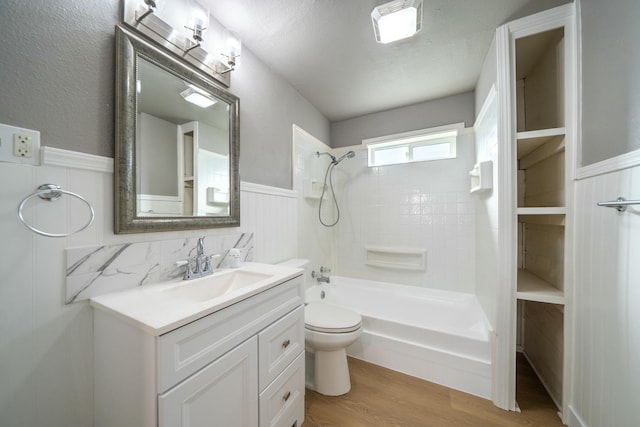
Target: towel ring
[(51, 192)]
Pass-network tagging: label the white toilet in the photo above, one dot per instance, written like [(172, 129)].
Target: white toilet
[(329, 330)]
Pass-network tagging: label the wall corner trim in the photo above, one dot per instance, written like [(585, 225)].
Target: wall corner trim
[(74, 159)]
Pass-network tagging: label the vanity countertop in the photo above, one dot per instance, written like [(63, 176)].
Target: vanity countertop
[(163, 307)]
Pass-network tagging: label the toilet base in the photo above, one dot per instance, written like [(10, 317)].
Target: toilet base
[(331, 372)]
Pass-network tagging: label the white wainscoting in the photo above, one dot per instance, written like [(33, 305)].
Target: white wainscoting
[(271, 213), (606, 358), (45, 350)]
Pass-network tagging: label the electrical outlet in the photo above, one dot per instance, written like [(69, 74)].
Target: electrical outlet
[(19, 145)]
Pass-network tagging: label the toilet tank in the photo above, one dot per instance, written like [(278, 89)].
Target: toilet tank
[(300, 263)]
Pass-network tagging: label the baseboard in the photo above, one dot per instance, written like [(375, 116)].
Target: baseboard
[(574, 419)]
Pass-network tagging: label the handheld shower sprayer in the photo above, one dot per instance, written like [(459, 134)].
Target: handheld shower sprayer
[(349, 155), (328, 173), (335, 161)]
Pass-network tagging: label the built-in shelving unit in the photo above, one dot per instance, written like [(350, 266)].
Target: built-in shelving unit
[(189, 147), (541, 209)]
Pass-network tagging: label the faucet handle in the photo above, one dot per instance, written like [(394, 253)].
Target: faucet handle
[(325, 269), (187, 270)]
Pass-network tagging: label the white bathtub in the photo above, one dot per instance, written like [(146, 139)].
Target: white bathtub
[(439, 336)]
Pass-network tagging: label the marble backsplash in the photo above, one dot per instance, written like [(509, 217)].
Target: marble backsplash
[(97, 270)]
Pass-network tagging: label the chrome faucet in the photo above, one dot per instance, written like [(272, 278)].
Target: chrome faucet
[(320, 277), (200, 265), (201, 258)]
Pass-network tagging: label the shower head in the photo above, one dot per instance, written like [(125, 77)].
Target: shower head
[(350, 155), (335, 161)]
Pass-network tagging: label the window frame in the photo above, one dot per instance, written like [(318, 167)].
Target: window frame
[(412, 140)]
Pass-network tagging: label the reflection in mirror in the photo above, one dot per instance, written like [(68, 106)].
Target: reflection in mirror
[(182, 147), (180, 131)]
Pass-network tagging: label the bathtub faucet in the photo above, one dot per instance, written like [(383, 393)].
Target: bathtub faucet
[(320, 277)]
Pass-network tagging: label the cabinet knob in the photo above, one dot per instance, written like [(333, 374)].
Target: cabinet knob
[(286, 396), (286, 343)]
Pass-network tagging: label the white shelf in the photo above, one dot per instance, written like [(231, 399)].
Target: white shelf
[(531, 140), (544, 134), (481, 177), (553, 210), (533, 288), (312, 189)]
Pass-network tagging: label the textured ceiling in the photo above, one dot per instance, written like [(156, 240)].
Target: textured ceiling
[(326, 48)]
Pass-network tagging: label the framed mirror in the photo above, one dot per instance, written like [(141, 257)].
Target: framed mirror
[(177, 143)]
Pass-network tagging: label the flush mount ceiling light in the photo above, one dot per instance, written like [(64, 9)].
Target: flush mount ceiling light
[(397, 20), (194, 96)]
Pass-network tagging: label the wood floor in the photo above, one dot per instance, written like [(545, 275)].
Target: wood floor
[(382, 397)]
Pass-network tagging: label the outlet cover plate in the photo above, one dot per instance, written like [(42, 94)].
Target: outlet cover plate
[(7, 135)]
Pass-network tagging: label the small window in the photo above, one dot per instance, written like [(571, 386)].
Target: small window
[(417, 146)]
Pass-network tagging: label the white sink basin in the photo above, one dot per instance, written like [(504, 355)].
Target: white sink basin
[(163, 307), (209, 287)]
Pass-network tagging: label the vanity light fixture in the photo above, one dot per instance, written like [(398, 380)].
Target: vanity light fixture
[(195, 96), (148, 18), (198, 22), (397, 20), (233, 49), (151, 6)]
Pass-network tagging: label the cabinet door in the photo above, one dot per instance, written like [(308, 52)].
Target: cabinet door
[(224, 393)]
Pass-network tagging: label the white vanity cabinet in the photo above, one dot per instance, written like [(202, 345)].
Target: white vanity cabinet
[(240, 366), (224, 391)]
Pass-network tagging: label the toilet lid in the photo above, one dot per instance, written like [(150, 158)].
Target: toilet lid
[(322, 317)]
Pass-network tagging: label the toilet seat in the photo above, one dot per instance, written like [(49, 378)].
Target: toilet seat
[(328, 318)]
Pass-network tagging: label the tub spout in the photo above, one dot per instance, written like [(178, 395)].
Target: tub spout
[(320, 277)]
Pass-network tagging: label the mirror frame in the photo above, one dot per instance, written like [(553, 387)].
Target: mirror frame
[(129, 47)]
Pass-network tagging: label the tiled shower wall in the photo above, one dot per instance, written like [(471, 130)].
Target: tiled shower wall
[(421, 205)]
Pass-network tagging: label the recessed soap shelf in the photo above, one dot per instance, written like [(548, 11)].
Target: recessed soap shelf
[(312, 188)]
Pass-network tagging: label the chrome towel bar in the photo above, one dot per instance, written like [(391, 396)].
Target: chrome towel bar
[(51, 192), (620, 204)]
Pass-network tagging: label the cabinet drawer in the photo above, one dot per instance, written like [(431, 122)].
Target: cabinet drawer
[(222, 394), (279, 345), (282, 402), (188, 349)]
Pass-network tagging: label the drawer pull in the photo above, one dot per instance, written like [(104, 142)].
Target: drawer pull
[(286, 396), (286, 343)]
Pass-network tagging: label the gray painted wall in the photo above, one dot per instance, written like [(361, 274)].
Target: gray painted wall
[(452, 109), (57, 76), (269, 106), (57, 70), (157, 151), (488, 76), (610, 88)]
